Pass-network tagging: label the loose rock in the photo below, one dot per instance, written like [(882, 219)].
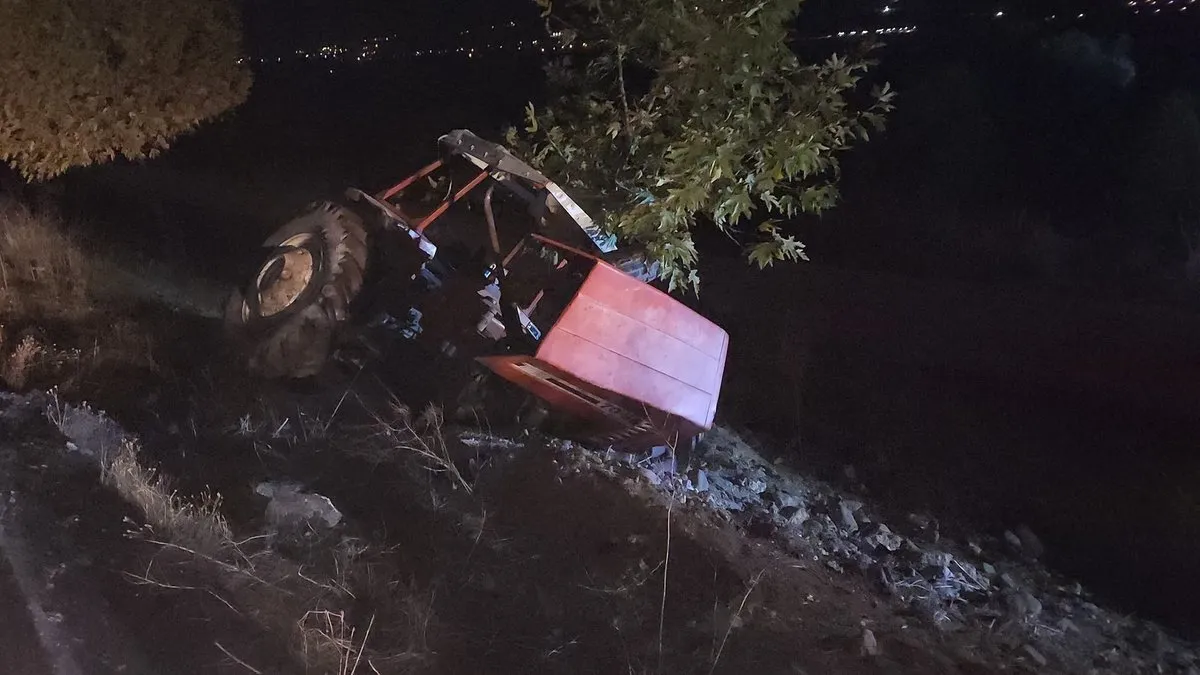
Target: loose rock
[(1013, 540), (870, 646), (290, 506), (783, 499), (883, 537), (1036, 656), (1023, 605), (1030, 544), (794, 515), (92, 434), (846, 511)]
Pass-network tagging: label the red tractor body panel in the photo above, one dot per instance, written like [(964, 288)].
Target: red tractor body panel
[(628, 357)]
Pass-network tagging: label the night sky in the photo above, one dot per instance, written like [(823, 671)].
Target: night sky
[(273, 25)]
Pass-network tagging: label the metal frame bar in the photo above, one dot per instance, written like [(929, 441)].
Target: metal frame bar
[(565, 247), (428, 169), (462, 192)]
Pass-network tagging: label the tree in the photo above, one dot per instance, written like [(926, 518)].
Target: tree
[(698, 112), (85, 81)]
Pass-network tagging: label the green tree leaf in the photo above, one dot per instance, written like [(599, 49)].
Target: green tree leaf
[(730, 128)]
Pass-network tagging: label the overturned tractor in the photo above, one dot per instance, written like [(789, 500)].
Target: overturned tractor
[(518, 280)]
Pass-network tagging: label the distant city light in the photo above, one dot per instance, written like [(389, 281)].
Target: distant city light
[(472, 43)]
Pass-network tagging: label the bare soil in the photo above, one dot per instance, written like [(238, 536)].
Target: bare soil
[(556, 560)]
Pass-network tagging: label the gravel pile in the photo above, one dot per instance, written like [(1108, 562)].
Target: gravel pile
[(990, 581)]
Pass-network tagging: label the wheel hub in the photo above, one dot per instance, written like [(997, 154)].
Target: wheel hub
[(284, 277)]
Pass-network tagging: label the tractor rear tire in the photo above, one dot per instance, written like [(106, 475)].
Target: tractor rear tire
[(287, 316)]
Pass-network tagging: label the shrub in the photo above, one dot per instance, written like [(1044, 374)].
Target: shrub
[(84, 81)]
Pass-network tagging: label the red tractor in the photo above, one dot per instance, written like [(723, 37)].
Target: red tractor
[(531, 291)]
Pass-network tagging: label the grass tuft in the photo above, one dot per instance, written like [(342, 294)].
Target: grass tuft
[(44, 270), (422, 438), (196, 524), (17, 366)]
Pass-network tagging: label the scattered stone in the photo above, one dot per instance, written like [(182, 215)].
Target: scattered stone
[(290, 506), (883, 537), (1012, 539), (870, 646), (650, 476), (794, 515), (1067, 626), (936, 559), (919, 521), (1008, 581), (926, 526), (1030, 544), (729, 495), (910, 549), (699, 478), (755, 485), (1023, 605), (846, 510), (783, 499), (1036, 656)]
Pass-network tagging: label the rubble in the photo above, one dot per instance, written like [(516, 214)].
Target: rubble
[(651, 476), (794, 515), (882, 537), (846, 511), (991, 581)]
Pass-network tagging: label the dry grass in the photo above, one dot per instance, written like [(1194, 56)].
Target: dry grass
[(329, 637), (304, 603), (195, 524), (28, 359), (44, 270), (17, 366), (422, 438), (50, 279)]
